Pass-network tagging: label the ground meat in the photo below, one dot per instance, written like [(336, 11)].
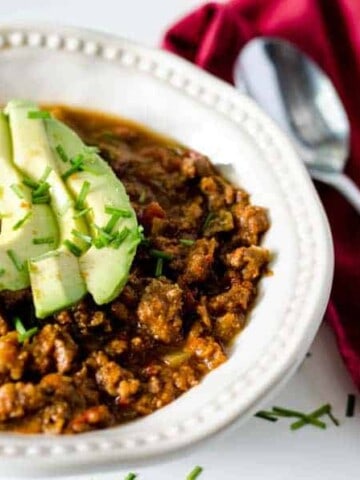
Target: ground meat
[(13, 359), (92, 418), (250, 260), (93, 366), (159, 310), (17, 399), (207, 351), (115, 380), (200, 261), (235, 300), (251, 222), (53, 349)]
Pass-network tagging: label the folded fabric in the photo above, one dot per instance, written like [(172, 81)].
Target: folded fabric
[(328, 31)]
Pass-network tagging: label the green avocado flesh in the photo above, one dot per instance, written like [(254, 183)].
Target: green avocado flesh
[(24, 226), (76, 231)]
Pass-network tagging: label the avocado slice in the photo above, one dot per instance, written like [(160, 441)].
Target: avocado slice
[(55, 277), (105, 268), (26, 230)]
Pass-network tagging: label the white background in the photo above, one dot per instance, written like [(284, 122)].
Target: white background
[(259, 450)]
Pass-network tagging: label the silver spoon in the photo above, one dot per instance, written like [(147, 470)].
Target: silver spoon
[(300, 97)]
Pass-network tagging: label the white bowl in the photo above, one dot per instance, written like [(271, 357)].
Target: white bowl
[(78, 67)]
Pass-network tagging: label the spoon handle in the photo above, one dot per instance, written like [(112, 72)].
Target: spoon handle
[(342, 183)]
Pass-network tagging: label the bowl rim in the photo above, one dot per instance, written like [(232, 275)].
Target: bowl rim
[(290, 345)]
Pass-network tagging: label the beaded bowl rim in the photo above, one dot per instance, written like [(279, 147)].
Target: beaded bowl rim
[(292, 341)]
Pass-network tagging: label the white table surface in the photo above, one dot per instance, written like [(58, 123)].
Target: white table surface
[(259, 450)]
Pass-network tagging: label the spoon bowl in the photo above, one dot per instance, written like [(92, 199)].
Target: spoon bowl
[(301, 98)]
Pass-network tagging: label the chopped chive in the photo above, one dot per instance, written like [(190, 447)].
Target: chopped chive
[(159, 254), (41, 190), (350, 406), (41, 199), (19, 326), (85, 238), (43, 241), (333, 418), (186, 241), (323, 410), (79, 205), (91, 150), (193, 475), (78, 161), (210, 216), (28, 334), (17, 190), (62, 154), (74, 249), (51, 254), (130, 476), (82, 212), (105, 234), (284, 412), (46, 174), (120, 237), (159, 267), (23, 334), (111, 223), (38, 114), (21, 222), (266, 416), (2, 272), (68, 173), (121, 212), (18, 265), (142, 197), (30, 183)]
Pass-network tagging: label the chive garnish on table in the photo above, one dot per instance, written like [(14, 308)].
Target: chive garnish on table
[(17, 190), (160, 254), (38, 114), (130, 476), (350, 405), (194, 473), (74, 249), (79, 205), (21, 222), (62, 154), (17, 263), (285, 412), (324, 410), (43, 241), (24, 334), (266, 416)]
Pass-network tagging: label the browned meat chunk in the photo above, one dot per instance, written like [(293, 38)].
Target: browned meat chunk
[(250, 260), (159, 310), (115, 380), (251, 222), (200, 261), (236, 299), (228, 325), (92, 418), (13, 359), (17, 399), (206, 350), (219, 193), (53, 349), (222, 221)]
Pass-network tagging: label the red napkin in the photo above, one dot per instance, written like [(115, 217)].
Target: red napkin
[(328, 31)]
